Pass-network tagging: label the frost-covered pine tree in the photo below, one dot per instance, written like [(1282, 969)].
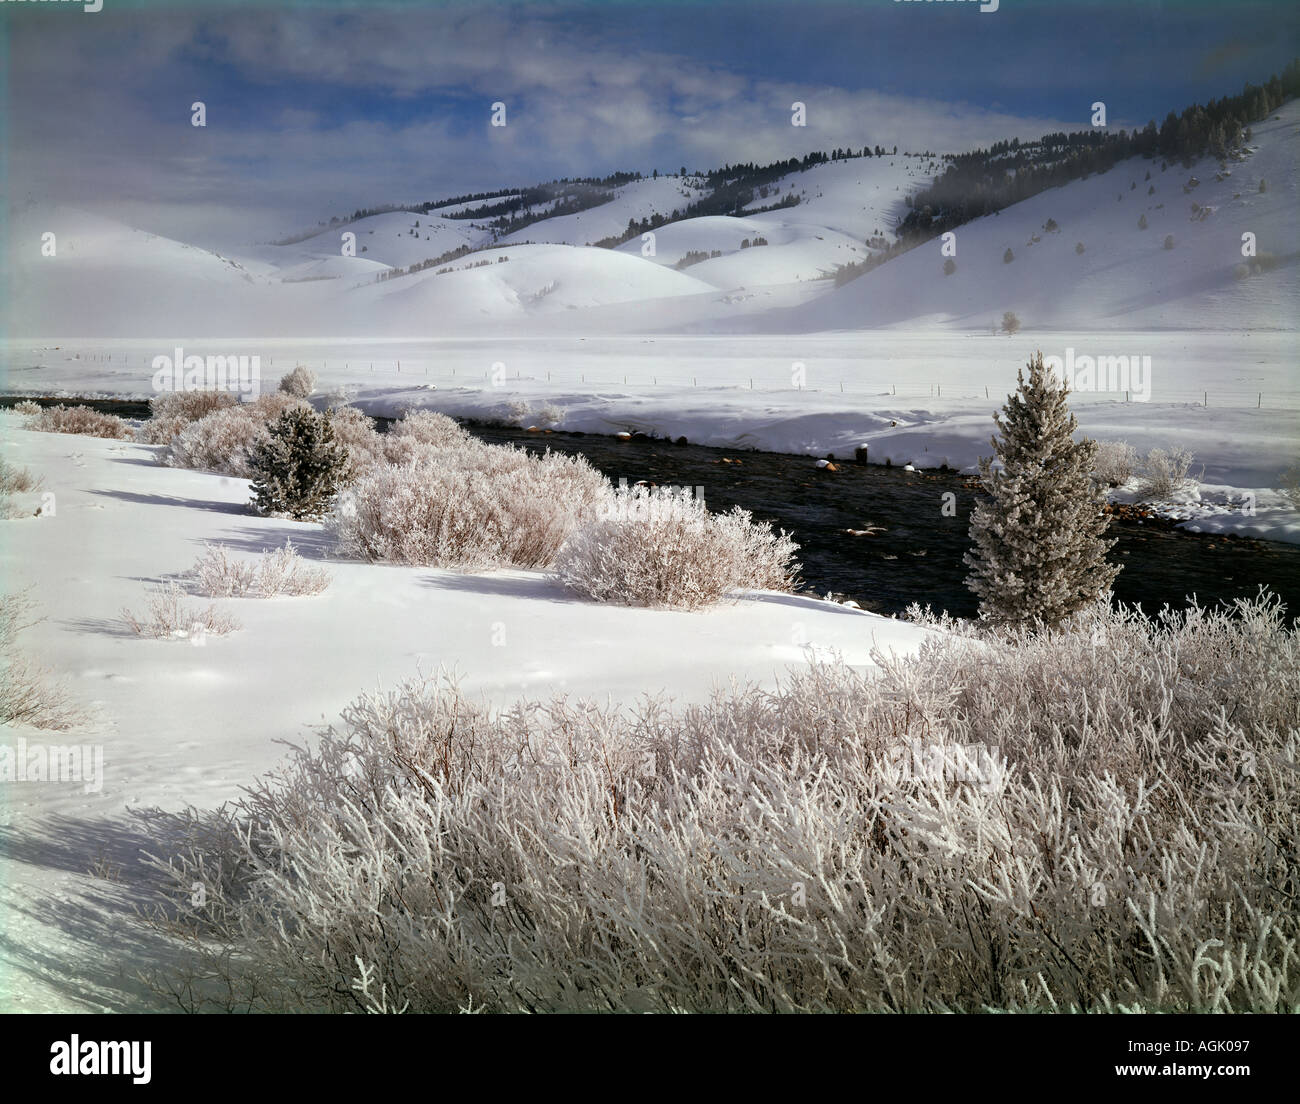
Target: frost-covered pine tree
[(1040, 552), (298, 468)]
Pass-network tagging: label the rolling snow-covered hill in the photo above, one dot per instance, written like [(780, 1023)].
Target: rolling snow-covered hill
[(1126, 277), (1162, 248)]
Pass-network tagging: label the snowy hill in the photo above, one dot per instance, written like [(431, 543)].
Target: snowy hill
[(1125, 277), (520, 280), (1161, 249), (102, 272), (637, 200)]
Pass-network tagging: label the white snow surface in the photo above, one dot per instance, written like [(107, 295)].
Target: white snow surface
[(181, 723)]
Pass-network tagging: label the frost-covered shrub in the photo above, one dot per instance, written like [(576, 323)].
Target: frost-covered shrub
[(419, 433), (16, 480), (1164, 471), (26, 408), (472, 505), (1114, 461), (548, 414), (161, 431), (80, 419), (172, 411), (1290, 480), (298, 467), (219, 442), (516, 412), (664, 548), (29, 693), (355, 431), (266, 408), (217, 574), (300, 383), (168, 619), (1093, 819)]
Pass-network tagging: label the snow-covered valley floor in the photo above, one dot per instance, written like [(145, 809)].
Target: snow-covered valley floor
[(180, 723), (913, 397)]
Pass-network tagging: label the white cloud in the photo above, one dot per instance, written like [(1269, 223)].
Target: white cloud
[(578, 103)]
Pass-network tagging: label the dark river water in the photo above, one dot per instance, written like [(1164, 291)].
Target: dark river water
[(917, 554)]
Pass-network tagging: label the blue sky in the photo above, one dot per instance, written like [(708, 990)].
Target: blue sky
[(320, 108)]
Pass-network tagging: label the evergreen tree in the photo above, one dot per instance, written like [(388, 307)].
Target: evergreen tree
[(298, 469), (1040, 552)]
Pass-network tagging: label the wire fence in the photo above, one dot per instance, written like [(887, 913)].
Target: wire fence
[(420, 372)]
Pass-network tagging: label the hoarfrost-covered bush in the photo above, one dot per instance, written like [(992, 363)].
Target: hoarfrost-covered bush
[(16, 480), (1290, 480), (355, 431), (217, 574), (548, 414), (168, 619), (300, 383), (219, 442), (516, 412), (266, 408), (1114, 462), (161, 431), (29, 693), (172, 411), (26, 408), (1164, 471), (1095, 818), (413, 436), (467, 506), (80, 419), (664, 548)]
